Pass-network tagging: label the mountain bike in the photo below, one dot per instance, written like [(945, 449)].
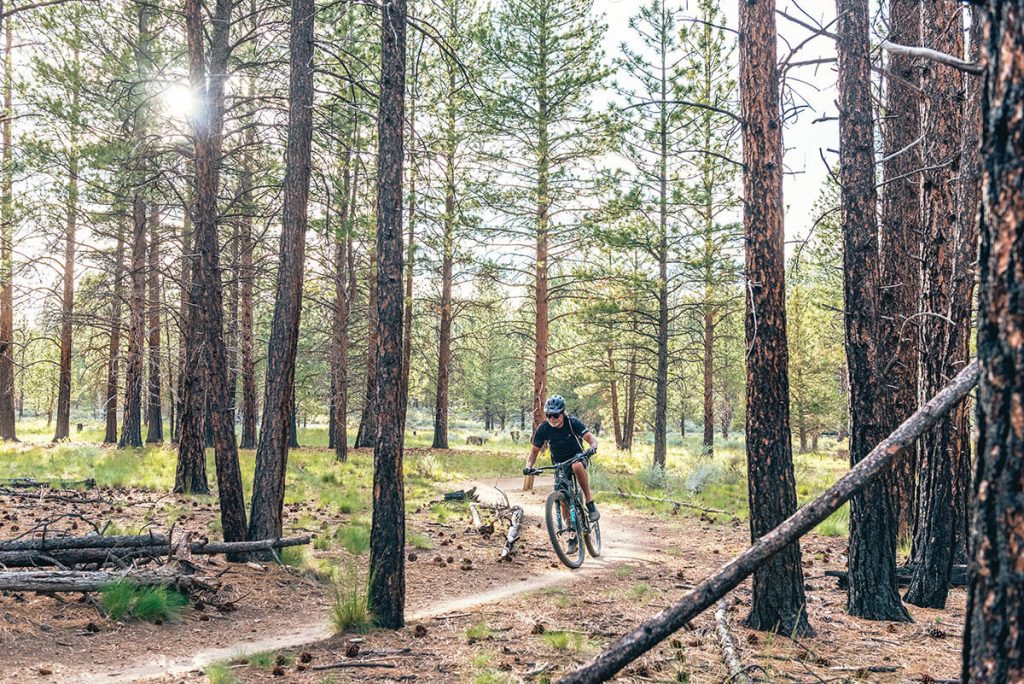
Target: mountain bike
[(566, 515)]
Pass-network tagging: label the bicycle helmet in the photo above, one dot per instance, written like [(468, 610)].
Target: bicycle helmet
[(554, 404)]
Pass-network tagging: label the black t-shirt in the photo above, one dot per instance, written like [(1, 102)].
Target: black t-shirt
[(561, 440)]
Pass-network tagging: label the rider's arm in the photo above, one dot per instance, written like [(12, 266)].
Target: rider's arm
[(532, 458), (591, 440)]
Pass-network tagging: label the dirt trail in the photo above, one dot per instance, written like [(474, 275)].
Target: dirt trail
[(622, 541)]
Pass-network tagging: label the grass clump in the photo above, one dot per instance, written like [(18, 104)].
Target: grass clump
[(121, 600), (262, 660), (418, 540), (564, 641), (837, 524), (478, 632), (220, 674), (350, 606), (354, 537)]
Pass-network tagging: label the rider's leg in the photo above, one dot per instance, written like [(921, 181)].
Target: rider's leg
[(583, 479)]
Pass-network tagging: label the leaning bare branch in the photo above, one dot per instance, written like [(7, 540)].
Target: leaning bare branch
[(934, 55)]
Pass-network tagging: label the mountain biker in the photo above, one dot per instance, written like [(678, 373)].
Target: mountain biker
[(563, 434)]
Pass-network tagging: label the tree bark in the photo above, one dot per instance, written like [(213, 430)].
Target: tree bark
[(410, 247), (387, 534), (343, 241), (247, 277), (63, 427), (184, 315), (898, 239), (444, 346), (872, 557), (155, 432), (206, 339), (114, 351), (649, 634), (279, 395), (941, 492), (131, 427), (7, 426), (709, 384), (778, 601), (993, 646), (614, 387), (367, 433)]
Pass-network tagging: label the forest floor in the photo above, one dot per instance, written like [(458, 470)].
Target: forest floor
[(470, 618)]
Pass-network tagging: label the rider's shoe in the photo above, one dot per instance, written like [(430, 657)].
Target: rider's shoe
[(592, 512), (572, 545)]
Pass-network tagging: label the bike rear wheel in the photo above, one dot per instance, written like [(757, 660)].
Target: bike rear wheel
[(561, 531)]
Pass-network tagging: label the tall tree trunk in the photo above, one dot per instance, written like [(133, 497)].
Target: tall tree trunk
[(206, 339), (63, 428), (341, 307), (184, 316), (661, 377), (872, 557), (114, 353), (155, 433), (629, 423), (965, 269), (7, 428), (247, 277), (231, 322), (778, 602), (994, 623), (367, 433), (614, 386), (410, 247), (387, 534), (898, 239), (540, 350), (941, 500), (279, 396), (131, 428), (444, 346), (709, 383)]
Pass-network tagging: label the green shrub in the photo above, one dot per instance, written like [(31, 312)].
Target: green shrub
[(654, 477), (478, 632)]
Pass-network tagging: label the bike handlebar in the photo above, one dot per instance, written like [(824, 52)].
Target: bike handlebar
[(582, 456)]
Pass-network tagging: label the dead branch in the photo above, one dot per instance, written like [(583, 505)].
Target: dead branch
[(933, 55), (90, 541), (737, 673), (631, 646)]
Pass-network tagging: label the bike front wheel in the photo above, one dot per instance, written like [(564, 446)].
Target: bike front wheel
[(563, 532), (592, 538)]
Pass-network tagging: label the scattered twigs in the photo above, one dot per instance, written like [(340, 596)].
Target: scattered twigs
[(675, 504), (354, 663), (730, 655)]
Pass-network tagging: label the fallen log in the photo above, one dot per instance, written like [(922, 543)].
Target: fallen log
[(72, 581), (957, 576), (31, 483), (645, 637), (677, 504), (737, 673), (121, 555), (89, 541)]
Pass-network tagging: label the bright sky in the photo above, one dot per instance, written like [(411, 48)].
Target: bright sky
[(803, 138)]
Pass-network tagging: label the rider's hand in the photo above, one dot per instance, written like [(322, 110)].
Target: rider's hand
[(591, 451), (527, 470)]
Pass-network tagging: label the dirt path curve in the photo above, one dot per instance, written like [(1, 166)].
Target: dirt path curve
[(622, 539)]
